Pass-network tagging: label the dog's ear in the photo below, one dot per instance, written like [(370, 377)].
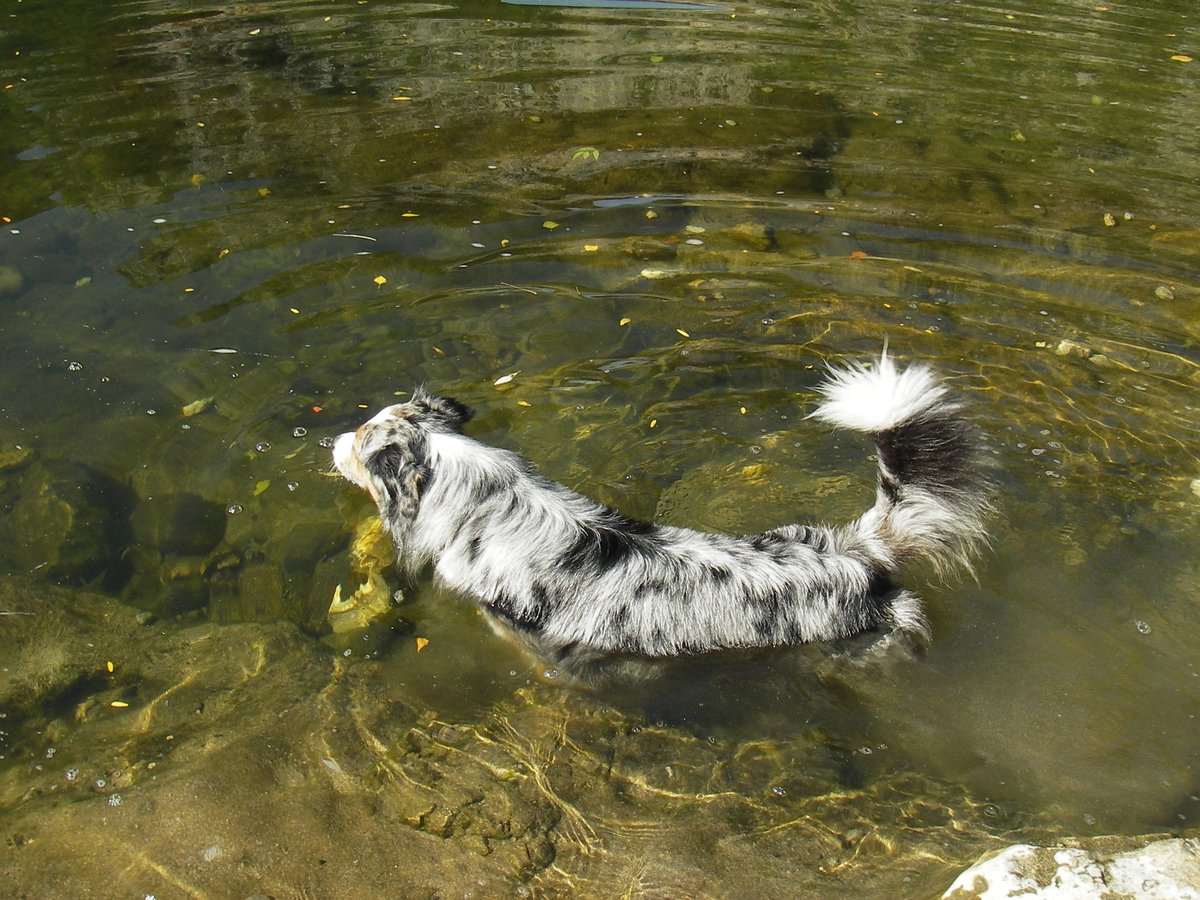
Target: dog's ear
[(447, 409), (399, 474)]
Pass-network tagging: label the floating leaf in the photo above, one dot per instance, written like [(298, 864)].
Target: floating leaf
[(625, 321), (262, 486), (505, 379), (1179, 57), (682, 332), (549, 224), (380, 280), (422, 643), (119, 704), (524, 403), (586, 153), (857, 254), (656, 58), (591, 248)]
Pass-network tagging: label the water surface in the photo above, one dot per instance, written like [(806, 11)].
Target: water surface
[(231, 233)]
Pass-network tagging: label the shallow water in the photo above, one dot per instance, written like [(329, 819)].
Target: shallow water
[(228, 234)]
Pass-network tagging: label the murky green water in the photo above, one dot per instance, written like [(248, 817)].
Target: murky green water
[(229, 231)]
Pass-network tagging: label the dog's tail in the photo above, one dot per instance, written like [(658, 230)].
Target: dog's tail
[(933, 495)]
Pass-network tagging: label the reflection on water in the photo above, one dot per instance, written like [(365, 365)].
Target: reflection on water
[(226, 234)]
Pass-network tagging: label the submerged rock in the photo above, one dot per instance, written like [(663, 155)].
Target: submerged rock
[(1167, 869), (69, 521), (181, 524)]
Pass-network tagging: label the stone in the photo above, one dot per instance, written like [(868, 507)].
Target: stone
[(69, 521), (1168, 869), (1068, 347), (180, 524)]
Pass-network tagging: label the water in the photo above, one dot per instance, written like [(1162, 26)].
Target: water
[(630, 238)]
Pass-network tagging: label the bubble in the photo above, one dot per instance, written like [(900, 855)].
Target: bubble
[(262, 446), (292, 485), (114, 799), (299, 431), (550, 674), (233, 509), (74, 366), (72, 774), (325, 442), (778, 791), (991, 810), (1142, 627)]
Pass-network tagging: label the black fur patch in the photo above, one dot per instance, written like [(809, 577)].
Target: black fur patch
[(934, 450), (767, 608), (720, 574), (532, 619), (403, 473), (474, 545), (600, 546)]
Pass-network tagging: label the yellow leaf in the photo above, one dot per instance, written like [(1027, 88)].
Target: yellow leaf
[(625, 321), (654, 423), (109, 667), (119, 704), (549, 224), (591, 248), (409, 215), (380, 280), (262, 486), (524, 403), (682, 332), (1179, 57), (422, 643)]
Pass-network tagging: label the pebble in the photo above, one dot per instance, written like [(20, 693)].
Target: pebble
[(1067, 347)]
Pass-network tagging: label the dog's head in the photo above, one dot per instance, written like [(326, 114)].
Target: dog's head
[(388, 455)]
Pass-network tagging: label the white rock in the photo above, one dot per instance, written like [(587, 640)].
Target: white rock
[(1162, 870)]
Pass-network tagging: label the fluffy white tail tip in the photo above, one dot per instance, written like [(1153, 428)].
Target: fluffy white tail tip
[(877, 398)]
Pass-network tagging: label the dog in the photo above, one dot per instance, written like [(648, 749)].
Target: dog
[(581, 582)]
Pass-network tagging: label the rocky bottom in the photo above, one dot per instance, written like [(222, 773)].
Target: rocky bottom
[(142, 758)]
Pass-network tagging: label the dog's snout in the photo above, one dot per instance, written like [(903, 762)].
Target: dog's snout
[(343, 454)]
